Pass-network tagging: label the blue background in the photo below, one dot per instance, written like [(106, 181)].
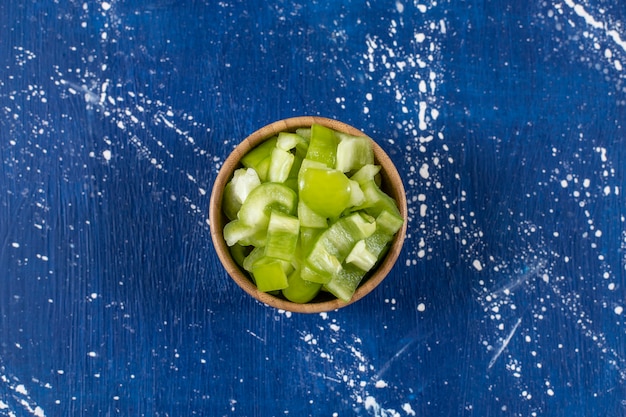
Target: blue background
[(505, 119)]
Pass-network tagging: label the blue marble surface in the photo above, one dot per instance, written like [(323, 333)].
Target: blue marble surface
[(505, 119)]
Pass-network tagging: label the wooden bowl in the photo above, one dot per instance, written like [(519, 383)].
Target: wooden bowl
[(391, 183)]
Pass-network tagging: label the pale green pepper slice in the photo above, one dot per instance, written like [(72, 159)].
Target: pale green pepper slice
[(256, 254), (300, 290), (237, 232), (309, 218), (239, 253), (376, 201), (255, 211), (282, 236), (288, 141), (366, 173), (361, 257), (323, 146), (281, 162), (333, 246), (236, 191), (250, 226), (323, 271), (344, 284), (269, 275), (305, 132), (325, 191), (308, 236), (389, 222), (353, 152), (259, 157)]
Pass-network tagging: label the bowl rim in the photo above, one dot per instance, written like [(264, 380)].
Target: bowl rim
[(216, 219)]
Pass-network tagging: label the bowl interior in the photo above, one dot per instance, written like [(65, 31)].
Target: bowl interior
[(391, 183)]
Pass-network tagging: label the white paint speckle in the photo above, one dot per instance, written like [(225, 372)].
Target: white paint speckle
[(106, 154), (422, 116), (372, 405), (442, 26), (421, 307), (477, 264), (406, 407), (618, 310), (370, 402), (424, 171), (618, 65)]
